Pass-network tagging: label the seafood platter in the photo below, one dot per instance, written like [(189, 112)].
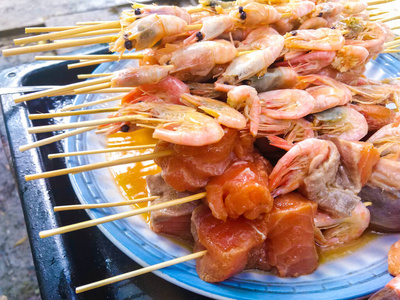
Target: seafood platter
[(239, 150)]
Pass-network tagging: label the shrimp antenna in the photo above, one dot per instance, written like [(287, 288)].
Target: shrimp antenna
[(119, 216), (145, 270)]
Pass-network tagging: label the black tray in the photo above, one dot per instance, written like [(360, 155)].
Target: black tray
[(65, 261)]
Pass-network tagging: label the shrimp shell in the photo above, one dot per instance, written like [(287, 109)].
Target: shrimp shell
[(324, 39)]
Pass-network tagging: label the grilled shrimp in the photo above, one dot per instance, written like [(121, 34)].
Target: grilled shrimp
[(343, 230), (267, 45), (286, 104), (324, 39), (140, 75), (349, 57), (327, 92), (342, 121), (377, 116), (387, 139), (224, 114), (376, 94), (176, 124), (200, 58)]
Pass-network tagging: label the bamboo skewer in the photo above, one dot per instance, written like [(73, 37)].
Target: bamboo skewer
[(54, 46), (86, 76), (104, 205), (101, 101), (391, 51), (91, 33), (72, 113), (95, 87), (69, 32), (128, 275), (48, 29), (386, 19), (123, 215), (101, 151), (99, 165), (375, 2), (88, 63), (92, 23), (91, 57), (112, 90), (57, 127), (61, 90), (55, 138)]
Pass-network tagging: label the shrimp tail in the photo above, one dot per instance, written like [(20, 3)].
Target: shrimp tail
[(279, 142)]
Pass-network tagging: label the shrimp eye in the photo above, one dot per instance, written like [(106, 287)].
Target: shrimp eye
[(333, 27), (128, 45), (320, 14), (199, 36), (138, 11), (293, 33), (240, 9), (243, 15), (213, 4), (310, 118), (125, 128)]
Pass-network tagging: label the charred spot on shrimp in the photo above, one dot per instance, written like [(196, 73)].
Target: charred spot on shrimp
[(199, 36)]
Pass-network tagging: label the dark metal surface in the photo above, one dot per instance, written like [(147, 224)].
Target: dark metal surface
[(66, 261)]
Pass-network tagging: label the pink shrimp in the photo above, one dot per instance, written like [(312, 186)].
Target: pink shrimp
[(327, 9), (224, 114), (267, 45), (176, 124), (200, 58), (311, 62), (212, 28), (352, 7), (296, 10), (302, 159), (146, 32), (140, 11), (140, 75), (342, 121), (343, 230), (294, 130), (286, 104), (313, 23), (387, 139), (327, 92), (349, 57), (324, 39), (376, 94), (254, 14), (246, 97), (168, 89)]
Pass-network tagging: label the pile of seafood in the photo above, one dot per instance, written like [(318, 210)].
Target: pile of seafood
[(265, 108)]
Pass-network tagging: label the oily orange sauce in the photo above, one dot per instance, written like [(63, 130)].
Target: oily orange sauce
[(328, 254), (131, 178)]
